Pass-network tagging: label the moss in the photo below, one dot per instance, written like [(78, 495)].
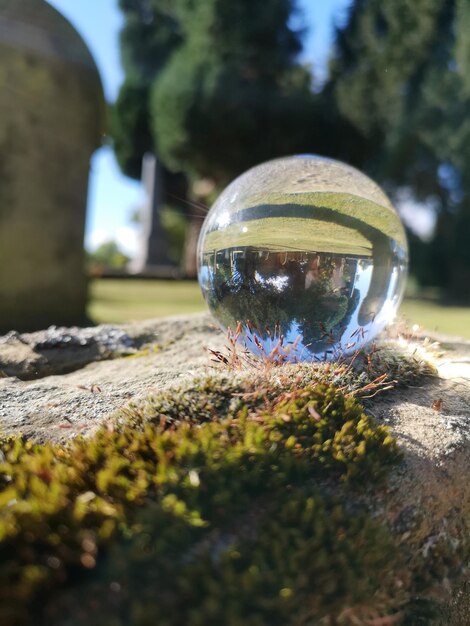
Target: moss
[(212, 503), (405, 363), (64, 507), (200, 400), (148, 350), (304, 558), (224, 392), (315, 423), (378, 367)]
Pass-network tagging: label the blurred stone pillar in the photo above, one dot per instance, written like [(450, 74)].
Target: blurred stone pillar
[(52, 116), (152, 256)]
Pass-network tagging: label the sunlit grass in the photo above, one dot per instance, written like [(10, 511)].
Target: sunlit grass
[(117, 301), (434, 316), (278, 234), (380, 217)]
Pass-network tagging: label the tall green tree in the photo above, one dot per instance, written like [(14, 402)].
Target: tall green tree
[(149, 37), (401, 78), (213, 87), (234, 94)]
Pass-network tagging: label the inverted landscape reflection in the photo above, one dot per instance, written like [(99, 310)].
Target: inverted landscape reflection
[(322, 270)]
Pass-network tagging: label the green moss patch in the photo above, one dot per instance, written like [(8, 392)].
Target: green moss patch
[(300, 558), (215, 503), (64, 508)]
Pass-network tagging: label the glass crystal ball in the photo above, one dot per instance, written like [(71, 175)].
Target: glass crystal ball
[(306, 255)]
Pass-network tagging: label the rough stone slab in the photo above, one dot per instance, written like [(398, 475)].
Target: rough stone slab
[(61, 382), (58, 406), (428, 496), (30, 356)]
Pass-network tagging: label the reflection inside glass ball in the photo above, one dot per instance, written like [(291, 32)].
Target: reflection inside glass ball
[(305, 252)]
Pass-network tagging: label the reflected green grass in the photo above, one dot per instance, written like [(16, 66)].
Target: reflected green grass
[(322, 222), (290, 234), (117, 300), (381, 217)]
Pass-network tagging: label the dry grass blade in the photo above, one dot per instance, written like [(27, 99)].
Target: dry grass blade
[(363, 373)]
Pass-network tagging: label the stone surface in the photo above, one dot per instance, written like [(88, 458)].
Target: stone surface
[(83, 375), (428, 498), (58, 404), (52, 120), (152, 254)]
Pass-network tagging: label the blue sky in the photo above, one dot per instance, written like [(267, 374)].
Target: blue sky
[(113, 197)]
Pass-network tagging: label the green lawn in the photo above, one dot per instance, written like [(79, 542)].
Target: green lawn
[(450, 320), (115, 301)]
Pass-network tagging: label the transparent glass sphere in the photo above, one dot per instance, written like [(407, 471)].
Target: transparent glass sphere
[(307, 254)]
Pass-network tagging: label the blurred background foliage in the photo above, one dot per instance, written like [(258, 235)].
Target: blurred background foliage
[(107, 256), (216, 86)]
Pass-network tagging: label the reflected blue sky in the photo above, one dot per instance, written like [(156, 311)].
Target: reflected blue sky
[(354, 335), (350, 339)]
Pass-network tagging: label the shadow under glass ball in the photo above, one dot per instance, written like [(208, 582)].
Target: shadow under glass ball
[(306, 249)]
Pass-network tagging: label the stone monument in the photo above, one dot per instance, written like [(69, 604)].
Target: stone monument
[(52, 120), (152, 257)]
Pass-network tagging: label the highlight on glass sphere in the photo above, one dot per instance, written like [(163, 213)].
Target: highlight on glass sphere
[(304, 254)]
